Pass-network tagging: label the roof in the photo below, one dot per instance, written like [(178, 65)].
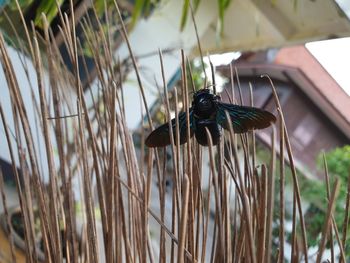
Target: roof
[(297, 65), (256, 25), (300, 58)]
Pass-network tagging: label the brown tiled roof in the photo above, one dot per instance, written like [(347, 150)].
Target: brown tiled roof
[(299, 57), (298, 65)]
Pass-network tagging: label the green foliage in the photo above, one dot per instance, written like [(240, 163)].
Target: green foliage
[(139, 6), (197, 74), (49, 8), (185, 8), (142, 7), (338, 162), (314, 192), (100, 6), (222, 7), (22, 3)]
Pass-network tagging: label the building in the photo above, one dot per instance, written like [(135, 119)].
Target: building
[(314, 105)]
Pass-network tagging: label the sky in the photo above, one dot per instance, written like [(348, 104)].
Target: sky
[(334, 56)]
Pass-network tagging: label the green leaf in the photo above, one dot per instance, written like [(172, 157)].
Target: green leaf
[(222, 6), (273, 2), (49, 8), (185, 8), (147, 8), (138, 9), (195, 5), (99, 7), (22, 3), (295, 5)]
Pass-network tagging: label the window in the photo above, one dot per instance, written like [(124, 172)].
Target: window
[(306, 130)]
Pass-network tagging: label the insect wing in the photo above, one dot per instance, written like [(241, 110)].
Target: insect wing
[(243, 118), (160, 137)]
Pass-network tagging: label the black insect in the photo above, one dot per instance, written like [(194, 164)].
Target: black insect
[(209, 112)]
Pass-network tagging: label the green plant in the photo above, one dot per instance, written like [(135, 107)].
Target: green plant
[(338, 162), (49, 8), (142, 7), (222, 7)]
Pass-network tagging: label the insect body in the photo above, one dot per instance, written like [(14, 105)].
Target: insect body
[(208, 112)]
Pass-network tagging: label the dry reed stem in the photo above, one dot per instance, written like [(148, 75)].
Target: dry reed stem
[(146, 207), (198, 43), (183, 222), (91, 238), (227, 220), (253, 132), (25, 29), (9, 230), (111, 175), (334, 225), (191, 75), (239, 87), (341, 248), (125, 35), (245, 202), (232, 85), (157, 219), (177, 139), (218, 255), (282, 182), (328, 221), (188, 155), (18, 183), (28, 210), (124, 192), (328, 189), (270, 197), (346, 217), (175, 159), (219, 186), (49, 153), (69, 237), (207, 218), (293, 255), (293, 170), (262, 215), (71, 44), (19, 104), (126, 38)]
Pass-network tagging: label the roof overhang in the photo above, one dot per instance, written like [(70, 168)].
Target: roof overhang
[(297, 77), (255, 25)]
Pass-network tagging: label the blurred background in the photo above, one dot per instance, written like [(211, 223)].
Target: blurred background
[(302, 45)]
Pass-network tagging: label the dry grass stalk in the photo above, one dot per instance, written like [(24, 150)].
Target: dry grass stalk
[(270, 197), (328, 221), (183, 222), (328, 188), (295, 179), (346, 217), (334, 225), (94, 147), (7, 217), (282, 182)]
